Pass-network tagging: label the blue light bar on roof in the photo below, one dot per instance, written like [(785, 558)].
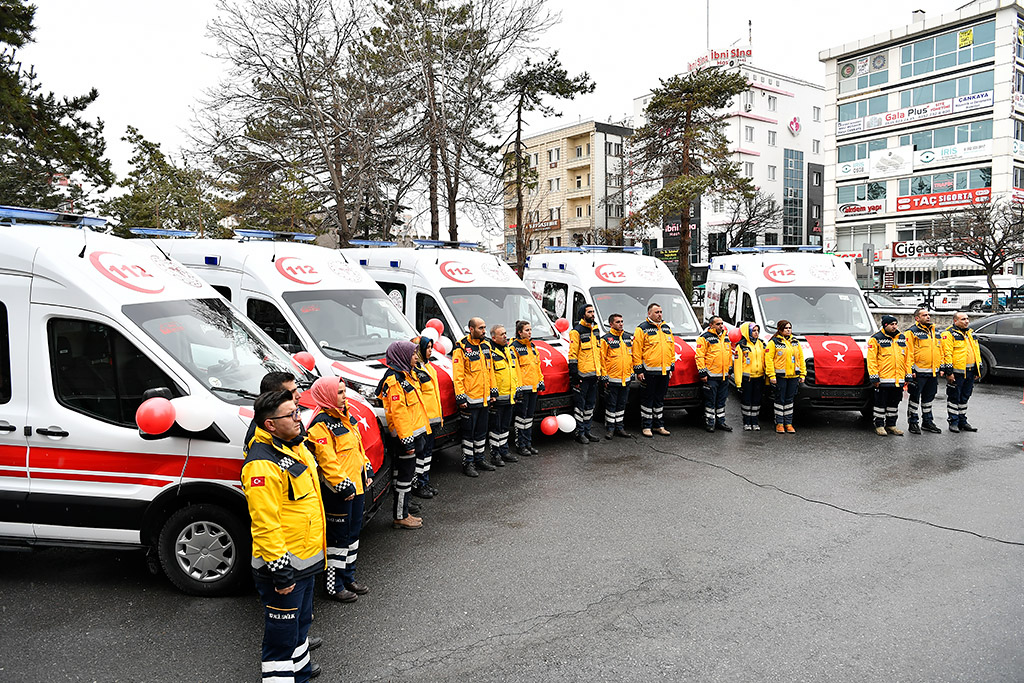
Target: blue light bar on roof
[(256, 234), (809, 247), (577, 250), (372, 243), (301, 236), (162, 232), (611, 248), (13, 214), (442, 243), (212, 260)]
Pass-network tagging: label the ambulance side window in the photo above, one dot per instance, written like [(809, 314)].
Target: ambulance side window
[(223, 291), (396, 292), (727, 303), (5, 357), (577, 302), (748, 309), (556, 294), (99, 373), (269, 318), (427, 308)]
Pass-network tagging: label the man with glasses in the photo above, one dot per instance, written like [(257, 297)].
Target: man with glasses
[(961, 363), (279, 479)]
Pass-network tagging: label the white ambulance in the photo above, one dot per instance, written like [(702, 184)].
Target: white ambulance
[(453, 283), (815, 292), (92, 326), (314, 299), (619, 280)]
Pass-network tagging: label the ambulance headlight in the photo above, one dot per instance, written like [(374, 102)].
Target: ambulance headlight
[(367, 391)]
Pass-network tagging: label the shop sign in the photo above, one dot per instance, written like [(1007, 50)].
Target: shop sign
[(951, 153), (891, 163), (943, 200), (855, 209), (848, 169), (919, 248), (955, 105)]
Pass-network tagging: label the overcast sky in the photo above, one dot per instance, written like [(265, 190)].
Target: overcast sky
[(150, 60)]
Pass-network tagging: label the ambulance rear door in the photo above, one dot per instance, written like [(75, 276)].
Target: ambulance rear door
[(14, 364)]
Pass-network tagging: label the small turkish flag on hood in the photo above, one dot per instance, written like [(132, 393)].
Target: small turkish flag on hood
[(838, 361)]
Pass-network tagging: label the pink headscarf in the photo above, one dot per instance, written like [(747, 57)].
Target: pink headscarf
[(324, 393)]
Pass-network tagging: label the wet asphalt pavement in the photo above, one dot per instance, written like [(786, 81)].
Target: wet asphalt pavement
[(831, 554)]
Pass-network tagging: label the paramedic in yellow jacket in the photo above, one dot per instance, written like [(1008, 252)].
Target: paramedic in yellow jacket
[(654, 356), (509, 384), (714, 361), (785, 369), (431, 392), (407, 421), (961, 363), (584, 370), (924, 365), (617, 362), (473, 375), (345, 474), (748, 371), (279, 479), (887, 371), (532, 378)]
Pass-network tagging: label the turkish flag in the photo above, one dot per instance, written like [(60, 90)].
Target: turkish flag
[(446, 387), (838, 361), (554, 368), (685, 371), (256, 481)]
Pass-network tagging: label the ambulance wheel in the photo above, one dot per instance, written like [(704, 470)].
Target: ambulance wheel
[(204, 550)]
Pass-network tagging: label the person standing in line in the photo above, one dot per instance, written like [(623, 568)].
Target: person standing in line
[(407, 421), (887, 370), (431, 392), (617, 362), (961, 363), (714, 360), (508, 383), (924, 360), (784, 365), (531, 376), (345, 475), (748, 371), (275, 381), (288, 538), (473, 375), (584, 370), (654, 355)]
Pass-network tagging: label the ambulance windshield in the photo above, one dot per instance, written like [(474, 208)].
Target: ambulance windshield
[(215, 343), (816, 310), (632, 304), (349, 324), (499, 306)]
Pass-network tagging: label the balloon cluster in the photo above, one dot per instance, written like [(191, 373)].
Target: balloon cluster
[(435, 332), (157, 415), (552, 423)]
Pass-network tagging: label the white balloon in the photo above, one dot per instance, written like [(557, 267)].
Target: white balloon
[(566, 422), (443, 344), (193, 413), (430, 332)]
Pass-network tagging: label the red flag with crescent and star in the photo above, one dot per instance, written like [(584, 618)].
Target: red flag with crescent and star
[(838, 361)]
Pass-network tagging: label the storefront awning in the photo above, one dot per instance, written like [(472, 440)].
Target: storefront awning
[(931, 264)]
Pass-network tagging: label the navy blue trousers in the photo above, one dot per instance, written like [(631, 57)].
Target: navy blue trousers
[(652, 400), (957, 396), (344, 522), (785, 398), (474, 433), (499, 424), (887, 405), (585, 398), (922, 392), (286, 620), (716, 392), (525, 408), (615, 406), (750, 399)]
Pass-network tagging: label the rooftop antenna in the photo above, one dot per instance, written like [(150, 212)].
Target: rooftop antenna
[(707, 27), (750, 33)]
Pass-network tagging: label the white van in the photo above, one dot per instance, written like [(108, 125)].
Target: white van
[(619, 280), (968, 292), (314, 299), (92, 326), (441, 280), (819, 295)]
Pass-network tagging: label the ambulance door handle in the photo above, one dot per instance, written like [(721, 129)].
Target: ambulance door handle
[(51, 432), (7, 428)]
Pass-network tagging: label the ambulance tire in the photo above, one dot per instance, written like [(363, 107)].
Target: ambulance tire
[(226, 569)]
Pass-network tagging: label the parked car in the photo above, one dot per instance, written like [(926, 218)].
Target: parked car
[(884, 300), (1001, 338), (968, 293), (1015, 301)]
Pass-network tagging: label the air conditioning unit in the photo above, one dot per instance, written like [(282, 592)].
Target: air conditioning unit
[(748, 107)]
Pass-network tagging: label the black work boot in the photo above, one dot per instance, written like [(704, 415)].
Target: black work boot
[(914, 428)]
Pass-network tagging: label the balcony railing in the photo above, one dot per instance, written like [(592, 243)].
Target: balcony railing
[(575, 192)]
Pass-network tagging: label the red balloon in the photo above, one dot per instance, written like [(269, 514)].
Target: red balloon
[(155, 415), (437, 325), (549, 425), (735, 335), (561, 324), (305, 359)]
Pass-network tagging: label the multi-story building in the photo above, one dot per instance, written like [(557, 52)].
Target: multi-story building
[(577, 196), (920, 120), (776, 135)]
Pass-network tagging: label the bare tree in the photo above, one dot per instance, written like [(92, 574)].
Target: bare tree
[(749, 216), (990, 234)]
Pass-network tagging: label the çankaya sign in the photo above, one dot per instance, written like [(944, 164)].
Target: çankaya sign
[(955, 105), (943, 200)]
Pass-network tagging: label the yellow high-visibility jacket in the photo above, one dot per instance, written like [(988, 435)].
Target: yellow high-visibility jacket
[(783, 357), (584, 350), (654, 347), (887, 359), (713, 355), (960, 352), (528, 359), (749, 363), (430, 390), (617, 356), (403, 407), (473, 372), (924, 350), (287, 516), (506, 372), (335, 441)]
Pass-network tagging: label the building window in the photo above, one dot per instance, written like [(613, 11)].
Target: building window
[(555, 214), (949, 135), (748, 99), (816, 113), (771, 173), (613, 180), (613, 149), (771, 238), (579, 151), (534, 159), (579, 211), (773, 103), (815, 146), (1018, 176), (862, 108), (1018, 130), (861, 150), (717, 205), (772, 137), (860, 193), (748, 133), (945, 182), (554, 184), (588, 149), (948, 89), (579, 182), (793, 197), (1018, 81), (909, 232), (853, 237), (748, 169), (864, 72), (815, 211), (961, 46), (816, 179), (588, 210), (614, 210)]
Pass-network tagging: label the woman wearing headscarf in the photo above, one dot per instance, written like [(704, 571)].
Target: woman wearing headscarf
[(784, 365), (406, 414), (748, 370), (345, 475), (431, 392), (533, 384)]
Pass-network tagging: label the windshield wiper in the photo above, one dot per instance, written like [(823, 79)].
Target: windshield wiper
[(237, 392), (328, 347)]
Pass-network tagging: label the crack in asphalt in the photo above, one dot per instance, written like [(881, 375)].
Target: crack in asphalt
[(840, 508)]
